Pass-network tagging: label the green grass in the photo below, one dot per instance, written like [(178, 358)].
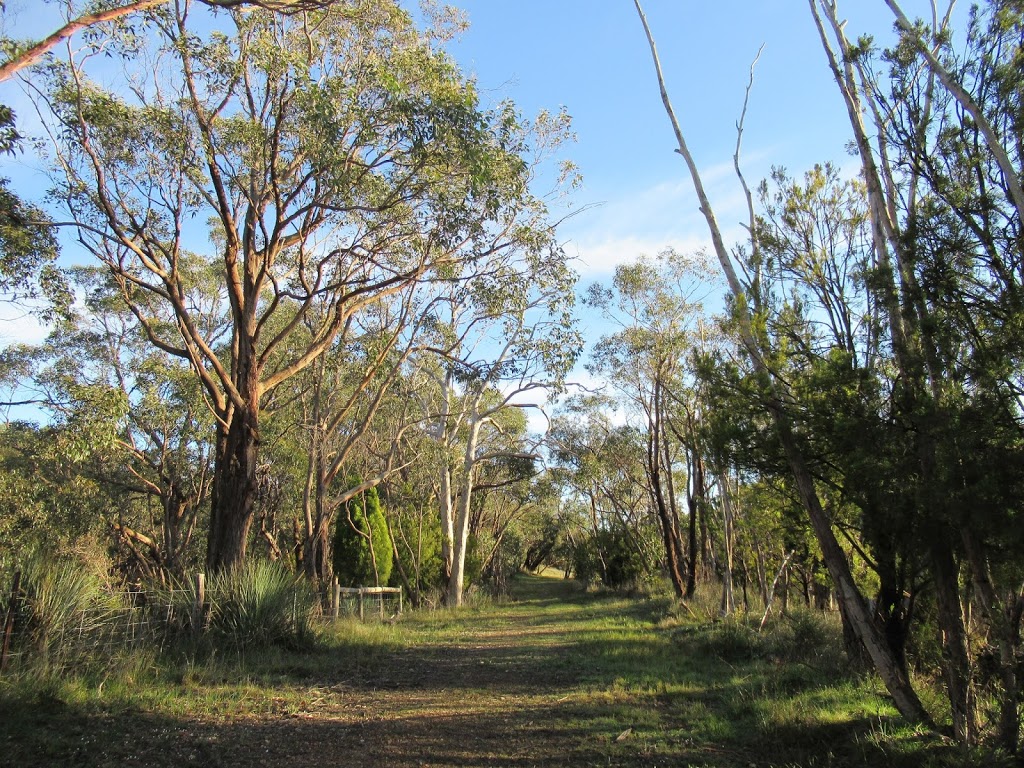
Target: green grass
[(553, 676)]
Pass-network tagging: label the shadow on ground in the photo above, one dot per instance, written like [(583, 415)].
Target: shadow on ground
[(544, 680)]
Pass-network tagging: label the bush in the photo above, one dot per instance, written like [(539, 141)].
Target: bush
[(418, 539), (363, 555), (624, 562), (506, 562), (66, 611), (260, 604)]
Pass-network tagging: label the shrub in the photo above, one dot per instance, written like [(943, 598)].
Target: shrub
[(66, 611), (363, 555), (260, 604), (625, 560), (418, 537)]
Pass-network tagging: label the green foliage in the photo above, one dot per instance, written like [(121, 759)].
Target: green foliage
[(362, 553), (260, 604), (28, 245), (46, 501), (474, 560), (417, 531), (65, 609), (614, 557)]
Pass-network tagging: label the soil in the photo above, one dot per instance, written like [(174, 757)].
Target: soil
[(505, 691)]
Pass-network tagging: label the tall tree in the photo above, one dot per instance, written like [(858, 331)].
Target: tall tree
[(942, 170), (339, 158), (776, 398), (658, 305), (158, 454), (502, 336)]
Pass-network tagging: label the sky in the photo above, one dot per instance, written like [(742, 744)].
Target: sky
[(591, 58)]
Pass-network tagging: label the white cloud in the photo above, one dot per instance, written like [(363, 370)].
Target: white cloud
[(665, 215)]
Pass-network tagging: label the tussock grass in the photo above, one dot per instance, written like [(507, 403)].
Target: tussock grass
[(553, 676), (261, 604)]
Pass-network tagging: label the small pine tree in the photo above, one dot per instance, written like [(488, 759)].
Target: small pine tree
[(361, 524)]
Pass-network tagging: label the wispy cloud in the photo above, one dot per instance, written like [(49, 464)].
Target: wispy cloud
[(665, 215)]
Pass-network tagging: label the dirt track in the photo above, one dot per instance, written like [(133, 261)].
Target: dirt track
[(503, 691)]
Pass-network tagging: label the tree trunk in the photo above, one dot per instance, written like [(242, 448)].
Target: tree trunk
[(457, 579), (1004, 619), (728, 604), (669, 525), (460, 540), (850, 601), (447, 513), (234, 491), (694, 495), (956, 654)]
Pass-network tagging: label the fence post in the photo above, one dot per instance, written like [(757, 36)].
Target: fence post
[(400, 592), (360, 605), (200, 607), (336, 600), (12, 608)]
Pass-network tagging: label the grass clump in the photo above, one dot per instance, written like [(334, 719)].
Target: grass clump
[(64, 614), (261, 604)]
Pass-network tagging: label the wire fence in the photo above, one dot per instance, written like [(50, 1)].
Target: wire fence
[(383, 603), (96, 630), (64, 629)]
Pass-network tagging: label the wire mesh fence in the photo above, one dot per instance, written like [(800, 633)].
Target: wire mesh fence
[(40, 630), (382, 603), (63, 622)]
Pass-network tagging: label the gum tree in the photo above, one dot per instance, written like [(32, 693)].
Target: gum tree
[(657, 304), (499, 339), (748, 313), (335, 159)]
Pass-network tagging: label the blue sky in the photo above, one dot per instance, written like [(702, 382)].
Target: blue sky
[(591, 57)]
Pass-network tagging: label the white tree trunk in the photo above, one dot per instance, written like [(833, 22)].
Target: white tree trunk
[(457, 580)]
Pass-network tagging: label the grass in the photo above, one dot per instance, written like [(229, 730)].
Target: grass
[(554, 676)]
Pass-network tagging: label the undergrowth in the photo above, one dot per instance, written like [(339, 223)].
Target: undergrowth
[(555, 671)]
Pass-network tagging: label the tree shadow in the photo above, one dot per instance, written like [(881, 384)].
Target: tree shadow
[(529, 685)]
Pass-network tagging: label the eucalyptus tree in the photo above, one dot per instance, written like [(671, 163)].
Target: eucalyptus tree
[(28, 246), (942, 174), (79, 18), (773, 392), (600, 466), (501, 339), (888, 386), (657, 305), (137, 421), (337, 157)]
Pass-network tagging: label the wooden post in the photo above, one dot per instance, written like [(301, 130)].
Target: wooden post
[(399, 601), (199, 620), (360, 605), (380, 603), (336, 600), (12, 609)]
